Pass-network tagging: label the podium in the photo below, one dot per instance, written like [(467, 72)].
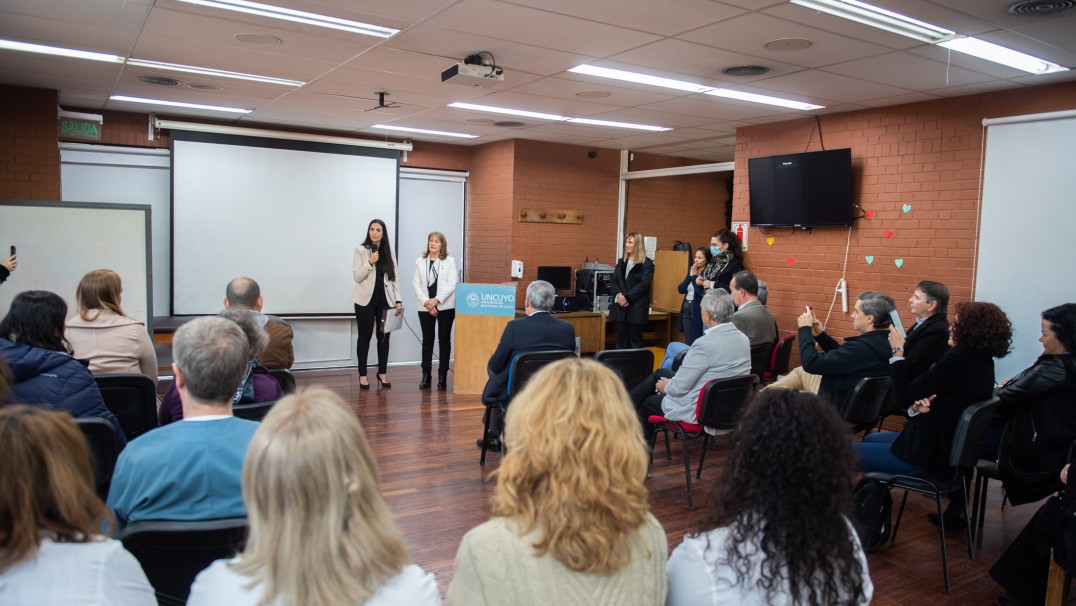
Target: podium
[(482, 312)]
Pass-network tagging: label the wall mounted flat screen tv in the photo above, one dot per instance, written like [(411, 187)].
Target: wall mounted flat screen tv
[(812, 189)]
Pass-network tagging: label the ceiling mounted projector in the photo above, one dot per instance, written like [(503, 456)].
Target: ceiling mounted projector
[(475, 76)]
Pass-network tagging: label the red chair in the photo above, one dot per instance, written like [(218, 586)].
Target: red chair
[(720, 404), (782, 352)]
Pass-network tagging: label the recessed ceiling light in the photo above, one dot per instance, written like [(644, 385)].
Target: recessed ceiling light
[(554, 117), (215, 108), (207, 71), (1005, 56), (789, 44), (871, 15), (631, 125), (593, 94), (41, 49), (766, 99), (287, 14), (260, 39), (439, 133)]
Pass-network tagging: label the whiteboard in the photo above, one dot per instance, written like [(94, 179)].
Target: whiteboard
[(1026, 244), (60, 242)]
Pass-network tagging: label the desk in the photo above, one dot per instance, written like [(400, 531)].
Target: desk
[(660, 329), (589, 327)]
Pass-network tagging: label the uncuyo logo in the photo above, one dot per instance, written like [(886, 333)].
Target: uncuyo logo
[(472, 299)]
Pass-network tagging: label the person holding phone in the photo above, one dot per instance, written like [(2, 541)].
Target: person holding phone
[(8, 265), (377, 291), (435, 289)]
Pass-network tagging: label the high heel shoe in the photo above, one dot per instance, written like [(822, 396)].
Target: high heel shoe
[(442, 381), (383, 384), (425, 382), (365, 385)]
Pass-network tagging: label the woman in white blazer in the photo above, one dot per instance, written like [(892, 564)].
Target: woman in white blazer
[(377, 290), (435, 290)]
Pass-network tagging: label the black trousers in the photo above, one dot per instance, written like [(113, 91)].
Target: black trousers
[(629, 335), (368, 317), (648, 402), (443, 320), (1022, 569)]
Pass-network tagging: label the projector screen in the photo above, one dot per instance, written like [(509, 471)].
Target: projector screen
[(286, 213)]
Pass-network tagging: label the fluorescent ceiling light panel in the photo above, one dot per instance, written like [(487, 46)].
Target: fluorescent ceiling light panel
[(215, 108), (207, 71), (287, 14), (40, 49), (999, 54), (504, 110), (423, 131), (618, 74), (618, 124), (881, 18)]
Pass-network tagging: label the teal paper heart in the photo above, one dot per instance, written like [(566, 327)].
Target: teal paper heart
[(899, 262), (870, 259), (907, 208)]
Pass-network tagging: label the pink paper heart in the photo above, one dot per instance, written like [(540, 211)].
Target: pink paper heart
[(870, 214), (889, 233), (790, 261)]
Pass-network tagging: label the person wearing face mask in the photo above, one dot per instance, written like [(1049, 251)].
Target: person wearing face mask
[(726, 258), (690, 318)]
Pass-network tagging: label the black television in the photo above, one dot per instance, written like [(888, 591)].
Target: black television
[(812, 189), (559, 276)]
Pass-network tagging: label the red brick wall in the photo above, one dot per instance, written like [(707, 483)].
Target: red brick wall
[(489, 213), (29, 154), (927, 155), (438, 156)]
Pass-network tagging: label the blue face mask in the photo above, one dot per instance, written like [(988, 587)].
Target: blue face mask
[(714, 251)]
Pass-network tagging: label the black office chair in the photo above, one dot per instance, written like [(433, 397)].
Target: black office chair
[(173, 553), (104, 447), (986, 470), (782, 353), (523, 367), (678, 360), (255, 411), (133, 399), (761, 355), (719, 407), (968, 438), (862, 407), (285, 378), (632, 365)]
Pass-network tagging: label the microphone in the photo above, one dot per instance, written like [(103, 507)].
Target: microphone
[(373, 247)]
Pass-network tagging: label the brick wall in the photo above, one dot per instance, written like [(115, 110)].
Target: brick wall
[(489, 218), (29, 155), (926, 155)]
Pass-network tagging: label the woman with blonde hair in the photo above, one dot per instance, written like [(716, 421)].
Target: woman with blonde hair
[(51, 549), (104, 334), (434, 282), (320, 533), (629, 294), (570, 512)]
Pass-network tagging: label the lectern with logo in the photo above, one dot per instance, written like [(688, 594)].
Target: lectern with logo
[(482, 312)]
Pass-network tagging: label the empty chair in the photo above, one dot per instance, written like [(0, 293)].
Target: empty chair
[(863, 406), (284, 377), (133, 399), (633, 365), (104, 447), (782, 352), (761, 355)]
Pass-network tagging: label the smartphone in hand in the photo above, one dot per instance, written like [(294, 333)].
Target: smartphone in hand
[(896, 322)]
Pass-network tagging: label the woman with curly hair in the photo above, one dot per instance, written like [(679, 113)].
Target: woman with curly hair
[(777, 531), (570, 512)]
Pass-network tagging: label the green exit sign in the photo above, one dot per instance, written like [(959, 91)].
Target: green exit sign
[(80, 129)]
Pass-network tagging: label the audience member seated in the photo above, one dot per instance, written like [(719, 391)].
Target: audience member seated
[(776, 532), (191, 470), (928, 338), (6, 380), (570, 516), (44, 372), (763, 292), (751, 317), (865, 355), (1043, 401), (797, 379), (722, 351), (102, 333), (245, 294), (257, 386), (935, 399), (51, 549), (320, 532), (537, 331)]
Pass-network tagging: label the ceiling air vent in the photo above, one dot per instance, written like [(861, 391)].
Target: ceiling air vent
[(745, 70), (159, 80), (509, 123), (1035, 8)]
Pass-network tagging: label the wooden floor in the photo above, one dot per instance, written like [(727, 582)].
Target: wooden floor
[(425, 445)]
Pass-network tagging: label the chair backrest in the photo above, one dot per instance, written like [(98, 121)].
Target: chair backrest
[(525, 365), (633, 365), (133, 399), (863, 405), (173, 553), (722, 401), (971, 432), (782, 353), (761, 355), (104, 446), (678, 360), (255, 411), (285, 378)]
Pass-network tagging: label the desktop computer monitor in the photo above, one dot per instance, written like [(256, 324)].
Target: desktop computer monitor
[(559, 276)]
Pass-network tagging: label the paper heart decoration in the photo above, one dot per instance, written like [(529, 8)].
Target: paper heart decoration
[(769, 240), (907, 208), (870, 259), (899, 262), (870, 214), (889, 233), (790, 261)]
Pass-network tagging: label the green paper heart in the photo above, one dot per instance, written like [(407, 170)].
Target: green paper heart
[(870, 259), (899, 262), (907, 208)]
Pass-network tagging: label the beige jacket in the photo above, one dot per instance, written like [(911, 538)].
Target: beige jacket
[(113, 344), (365, 278)]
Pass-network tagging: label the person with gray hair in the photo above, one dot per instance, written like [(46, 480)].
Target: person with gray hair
[(191, 470), (866, 355), (244, 294), (721, 352), (763, 292), (537, 331)]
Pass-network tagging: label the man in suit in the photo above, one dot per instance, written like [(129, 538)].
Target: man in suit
[(752, 317), (721, 352), (537, 331), (245, 294), (928, 337)]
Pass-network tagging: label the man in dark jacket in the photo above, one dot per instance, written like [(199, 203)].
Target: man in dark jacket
[(928, 337), (866, 355)]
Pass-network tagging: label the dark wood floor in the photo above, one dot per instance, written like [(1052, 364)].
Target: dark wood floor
[(425, 445)]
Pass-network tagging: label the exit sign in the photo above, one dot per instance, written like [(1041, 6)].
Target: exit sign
[(80, 129)]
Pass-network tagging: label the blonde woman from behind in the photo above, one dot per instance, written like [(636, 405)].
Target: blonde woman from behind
[(320, 533), (570, 514)]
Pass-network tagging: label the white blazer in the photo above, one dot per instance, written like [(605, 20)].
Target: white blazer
[(446, 282), (365, 278)]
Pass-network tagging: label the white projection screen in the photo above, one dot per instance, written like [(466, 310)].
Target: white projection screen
[(286, 213), (1025, 244)]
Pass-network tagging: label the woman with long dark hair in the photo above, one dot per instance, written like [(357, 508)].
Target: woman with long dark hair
[(726, 258), (45, 374), (690, 314), (777, 532), (377, 290)]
